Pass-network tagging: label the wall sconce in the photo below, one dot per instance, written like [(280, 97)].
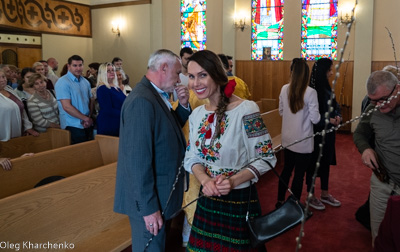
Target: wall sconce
[(240, 21), (345, 17), (115, 28)]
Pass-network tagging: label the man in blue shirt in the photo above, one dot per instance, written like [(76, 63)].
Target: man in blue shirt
[(75, 102)]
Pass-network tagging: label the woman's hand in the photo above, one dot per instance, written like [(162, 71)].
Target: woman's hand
[(224, 185), (32, 132), (335, 121), (5, 163), (209, 187)]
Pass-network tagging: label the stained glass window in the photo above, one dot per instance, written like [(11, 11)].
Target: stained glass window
[(319, 29), (193, 24), (267, 29)]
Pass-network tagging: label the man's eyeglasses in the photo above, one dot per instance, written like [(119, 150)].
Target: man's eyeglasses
[(383, 98)]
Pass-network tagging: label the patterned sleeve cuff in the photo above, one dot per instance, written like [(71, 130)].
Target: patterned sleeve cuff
[(254, 171)]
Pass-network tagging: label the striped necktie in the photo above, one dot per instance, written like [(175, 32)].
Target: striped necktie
[(166, 96)]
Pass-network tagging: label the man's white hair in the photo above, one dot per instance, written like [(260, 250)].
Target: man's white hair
[(160, 57)]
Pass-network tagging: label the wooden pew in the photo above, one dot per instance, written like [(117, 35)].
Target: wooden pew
[(273, 121), (77, 211), (52, 139), (66, 161), (259, 104), (269, 104), (266, 105)]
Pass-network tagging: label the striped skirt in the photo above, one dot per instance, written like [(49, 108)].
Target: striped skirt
[(219, 223)]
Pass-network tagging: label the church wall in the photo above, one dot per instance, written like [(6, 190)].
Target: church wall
[(139, 36), (62, 47), (133, 45), (386, 14)]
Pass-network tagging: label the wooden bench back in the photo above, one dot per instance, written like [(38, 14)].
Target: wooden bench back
[(77, 209), (66, 161), (269, 104), (52, 139), (259, 104), (273, 121)]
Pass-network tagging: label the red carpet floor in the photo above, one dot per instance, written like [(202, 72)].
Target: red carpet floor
[(333, 229)]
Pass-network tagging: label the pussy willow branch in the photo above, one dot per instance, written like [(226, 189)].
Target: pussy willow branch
[(394, 50), (321, 146)]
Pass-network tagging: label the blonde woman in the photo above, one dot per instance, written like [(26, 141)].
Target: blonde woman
[(110, 98), (42, 105), (40, 68)]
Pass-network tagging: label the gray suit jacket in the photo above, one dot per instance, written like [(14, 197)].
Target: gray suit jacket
[(151, 149)]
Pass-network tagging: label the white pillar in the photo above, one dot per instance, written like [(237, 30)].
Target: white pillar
[(362, 53)]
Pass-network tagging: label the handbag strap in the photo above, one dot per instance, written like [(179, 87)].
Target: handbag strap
[(280, 179)]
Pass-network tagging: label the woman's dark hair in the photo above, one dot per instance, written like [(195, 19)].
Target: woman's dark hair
[(23, 73), (298, 84), (319, 81), (224, 60), (212, 64), (64, 70)]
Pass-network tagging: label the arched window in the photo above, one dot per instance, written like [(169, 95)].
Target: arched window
[(267, 29), (319, 29), (193, 24)]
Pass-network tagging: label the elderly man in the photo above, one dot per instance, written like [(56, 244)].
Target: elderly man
[(52, 67), (384, 159), (151, 150)]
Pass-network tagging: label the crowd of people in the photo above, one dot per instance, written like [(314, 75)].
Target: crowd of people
[(221, 152), (35, 98)]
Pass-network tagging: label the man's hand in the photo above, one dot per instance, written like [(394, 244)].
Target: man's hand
[(154, 222), (183, 95), (368, 157), (88, 122), (6, 163)]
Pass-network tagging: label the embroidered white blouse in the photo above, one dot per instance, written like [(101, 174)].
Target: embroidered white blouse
[(243, 139)]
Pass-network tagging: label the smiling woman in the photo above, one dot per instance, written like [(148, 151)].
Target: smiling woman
[(42, 105), (227, 139)]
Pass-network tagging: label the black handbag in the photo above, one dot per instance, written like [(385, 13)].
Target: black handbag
[(264, 228)]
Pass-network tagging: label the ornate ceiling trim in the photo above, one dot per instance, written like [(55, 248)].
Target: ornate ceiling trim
[(46, 16)]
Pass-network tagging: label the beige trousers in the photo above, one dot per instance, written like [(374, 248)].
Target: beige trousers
[(380, 193)]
